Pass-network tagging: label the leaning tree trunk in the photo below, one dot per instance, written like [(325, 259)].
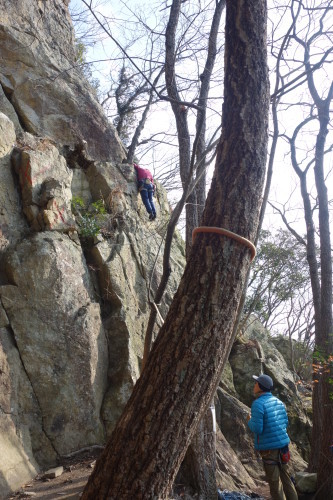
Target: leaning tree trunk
[(150, 439)]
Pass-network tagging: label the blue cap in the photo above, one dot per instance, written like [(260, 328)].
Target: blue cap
[(265, 381)]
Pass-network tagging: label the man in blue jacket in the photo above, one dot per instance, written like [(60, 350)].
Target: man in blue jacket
[(268, 421)]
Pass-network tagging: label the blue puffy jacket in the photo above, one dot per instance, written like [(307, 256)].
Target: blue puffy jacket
[(269, 423)]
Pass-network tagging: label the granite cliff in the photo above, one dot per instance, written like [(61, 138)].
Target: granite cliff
[(77, 251)]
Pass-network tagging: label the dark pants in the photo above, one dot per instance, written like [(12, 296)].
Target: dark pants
[(280, 485), (147, 192)]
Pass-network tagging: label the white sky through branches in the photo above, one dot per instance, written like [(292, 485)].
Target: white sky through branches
[(121, 18)]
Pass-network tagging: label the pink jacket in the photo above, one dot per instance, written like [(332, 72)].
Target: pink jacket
[(143, 173)]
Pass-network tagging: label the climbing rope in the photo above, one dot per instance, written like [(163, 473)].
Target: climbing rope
[(225, 232)]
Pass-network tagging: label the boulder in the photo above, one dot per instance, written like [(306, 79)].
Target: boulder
[(253, 353), (231, 473), (17, 462), (45, 183), (12, 221), (7, 134), (16, 466), (8, 110), (20, 405), (306, 482), (128, 271), (40, 79), (300, 360), (53, 473), (57, 327), (231, 417), (227, 380), (73, 306)]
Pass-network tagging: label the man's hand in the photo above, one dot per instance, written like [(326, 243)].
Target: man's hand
[(248, 417)]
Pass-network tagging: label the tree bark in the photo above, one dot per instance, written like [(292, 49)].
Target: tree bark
[(176, 386)]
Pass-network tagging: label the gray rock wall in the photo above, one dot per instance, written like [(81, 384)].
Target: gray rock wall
[(254, 353), (73, 299), (40, 78), (73, 309)]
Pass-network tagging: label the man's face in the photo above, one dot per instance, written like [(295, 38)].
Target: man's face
[(256, 389)]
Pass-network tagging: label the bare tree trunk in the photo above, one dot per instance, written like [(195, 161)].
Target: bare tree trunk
[(186, 161), (205, 78), (180, 111), (321, 284), (322, 432), (323, 393), (199, 465), (142, 122), (269, 174), (150, 439)]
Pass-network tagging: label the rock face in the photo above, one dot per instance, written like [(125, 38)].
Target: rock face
[(79, 263), (73, 311), (57, 326), (39, 79), (256, 353), (253, 353), (78, 256)]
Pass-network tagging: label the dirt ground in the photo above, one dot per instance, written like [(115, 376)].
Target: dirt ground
[(67, 486), (72, 481)]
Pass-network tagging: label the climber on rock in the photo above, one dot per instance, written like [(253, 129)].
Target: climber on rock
[(146, 189)]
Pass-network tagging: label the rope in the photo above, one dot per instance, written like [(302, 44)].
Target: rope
[(158, 312), (229, 234)]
